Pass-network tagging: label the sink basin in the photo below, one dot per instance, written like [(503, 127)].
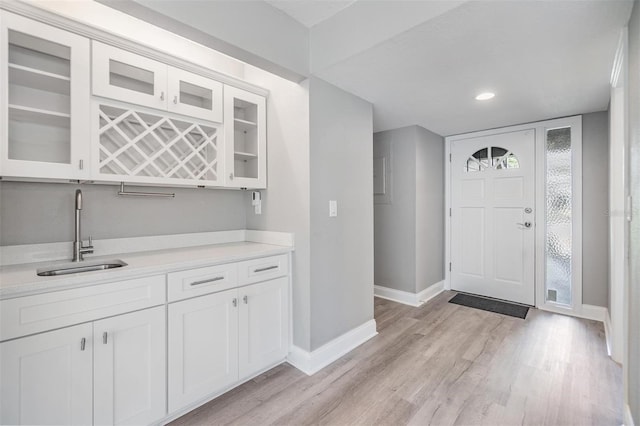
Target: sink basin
[(76, 267)]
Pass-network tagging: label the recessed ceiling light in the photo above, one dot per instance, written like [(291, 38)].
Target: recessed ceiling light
[(485, 96)]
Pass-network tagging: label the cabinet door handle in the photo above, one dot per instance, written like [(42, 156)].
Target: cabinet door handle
[(162, 96), (268, 268), (81, 164), (245, 299), (175, 99), (235, 302), (104, 338), (231, 176), (83, 342), (210, 280)]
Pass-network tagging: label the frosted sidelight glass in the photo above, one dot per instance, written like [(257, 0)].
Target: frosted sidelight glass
[(558, 216)]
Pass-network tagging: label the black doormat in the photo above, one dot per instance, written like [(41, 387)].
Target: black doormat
[(491, 305)]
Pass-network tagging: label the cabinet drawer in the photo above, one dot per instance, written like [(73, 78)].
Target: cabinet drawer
[(34, 314), (266, 268), (196, 282)]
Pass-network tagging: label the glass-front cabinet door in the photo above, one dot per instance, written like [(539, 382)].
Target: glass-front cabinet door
[(245, 139), (44, 98), (195, 96), (125, 76)]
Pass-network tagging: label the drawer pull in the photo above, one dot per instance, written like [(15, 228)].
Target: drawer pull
[(268, 268), (207, 281), (82, 343)]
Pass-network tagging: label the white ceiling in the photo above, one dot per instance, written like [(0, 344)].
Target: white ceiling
[(421, 62), (542, 59), (310, 12)]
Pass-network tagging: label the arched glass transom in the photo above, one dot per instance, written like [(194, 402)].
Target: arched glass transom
[(492, 158)]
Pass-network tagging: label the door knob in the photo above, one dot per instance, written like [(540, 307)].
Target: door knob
[(526, 224)]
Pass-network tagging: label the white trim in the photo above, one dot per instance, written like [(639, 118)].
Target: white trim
[(628, 417), (394, 295), (607, 332), (589, 312), (312, 362), (447, 216), (406, 298), (618, 192)]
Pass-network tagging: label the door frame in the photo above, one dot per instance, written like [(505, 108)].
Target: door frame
[(539, 128)]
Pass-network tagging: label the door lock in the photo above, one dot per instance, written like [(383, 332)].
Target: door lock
[(528, 210), (526, 224)]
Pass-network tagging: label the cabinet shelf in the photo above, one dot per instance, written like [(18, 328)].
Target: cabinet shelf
[(238, 155), (43, 116), (244, 125), (31, 70)]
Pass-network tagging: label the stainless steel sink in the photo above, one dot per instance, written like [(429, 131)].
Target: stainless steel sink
[(77, 267)]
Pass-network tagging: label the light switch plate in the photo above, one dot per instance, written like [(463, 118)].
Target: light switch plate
[(333, 208)]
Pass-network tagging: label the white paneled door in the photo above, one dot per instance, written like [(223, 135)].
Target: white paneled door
[(492, 216)]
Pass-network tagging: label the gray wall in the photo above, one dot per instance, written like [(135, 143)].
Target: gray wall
[(430, 168), (633, 365), (409, 231), (394, 231), (595, 208), (44, 212), (341, 153), (285, 204), (251, 31)]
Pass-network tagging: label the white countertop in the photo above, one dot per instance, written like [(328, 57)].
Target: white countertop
[(21, 280)]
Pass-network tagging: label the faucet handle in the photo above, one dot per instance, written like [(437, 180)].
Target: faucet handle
[(88, 248)]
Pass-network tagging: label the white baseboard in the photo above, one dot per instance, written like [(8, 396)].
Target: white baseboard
[(628, 418), (312, 362), (411, 299), (608, 333), (430, 292)]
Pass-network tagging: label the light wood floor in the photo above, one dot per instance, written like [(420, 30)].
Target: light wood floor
[(442, 364)]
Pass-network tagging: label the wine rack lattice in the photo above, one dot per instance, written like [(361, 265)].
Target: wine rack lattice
[(142, 144)]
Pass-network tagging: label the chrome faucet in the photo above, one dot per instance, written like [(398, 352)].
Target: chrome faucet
[(78, 249)]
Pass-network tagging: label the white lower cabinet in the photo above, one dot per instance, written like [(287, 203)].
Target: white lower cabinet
[(219, 339), (115, 365), (129, 368), (47, 378), (264, 334), (203, 347)]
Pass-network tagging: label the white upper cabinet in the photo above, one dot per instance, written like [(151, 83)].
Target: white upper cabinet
[(193, 95), (122, 75), (245, 139), (125, 76), (44, 100)]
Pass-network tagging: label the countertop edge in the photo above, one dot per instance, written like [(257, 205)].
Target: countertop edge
[(42, 285)]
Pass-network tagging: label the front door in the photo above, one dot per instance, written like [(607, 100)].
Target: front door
[(492, 216)]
